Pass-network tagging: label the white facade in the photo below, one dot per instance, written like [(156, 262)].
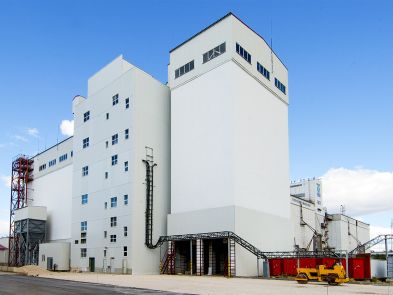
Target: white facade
[(229, 164), (128, 112), (54, 256), (346, 233)]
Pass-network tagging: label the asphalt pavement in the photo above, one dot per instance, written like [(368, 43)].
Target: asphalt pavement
[(24, 285)]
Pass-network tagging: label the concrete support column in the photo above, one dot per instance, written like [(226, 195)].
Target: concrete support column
[(199, 258)]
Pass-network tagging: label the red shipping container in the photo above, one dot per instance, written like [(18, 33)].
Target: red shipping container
[(275, 267), (308, 262), (289, 266), (367, 264), (356, 268)]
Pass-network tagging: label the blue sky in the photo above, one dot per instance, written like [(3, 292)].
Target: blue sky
[(339, 56)]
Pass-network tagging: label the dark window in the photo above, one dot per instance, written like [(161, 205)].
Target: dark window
[(115, 99), (243, 53), (279, 85), (184, 69), (213, 53), (263, 71), (86, 116)]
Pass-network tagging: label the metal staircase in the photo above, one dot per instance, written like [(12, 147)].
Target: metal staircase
[(168, 262), (149, 203), (363, 247)]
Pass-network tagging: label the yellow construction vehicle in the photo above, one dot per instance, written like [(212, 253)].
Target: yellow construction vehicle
[(333, 276)]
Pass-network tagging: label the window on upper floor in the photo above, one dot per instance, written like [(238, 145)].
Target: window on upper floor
[(113, 238), (113, 202), (114, 160), (263, 71), (213, 53), (84, 226), (83, 237), (243, 53), (115, 139), (85, 142), (125, 231), (107, 116), (72, 154), (106, 205), (125, 251), (126, 134), (86, 116), (125, 198), (85, 170), (52, 162), (184, 69), (125, 166), (115, 99), (127, 103), (84, 199), (83, 252), (106, 175), (113, 221), (105, 234), (279, 85), (42, 167), (63, 158)]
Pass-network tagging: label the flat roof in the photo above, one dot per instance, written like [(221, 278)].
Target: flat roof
[(53, 146), (216, 22)]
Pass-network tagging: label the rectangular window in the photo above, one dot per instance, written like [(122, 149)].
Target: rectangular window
[(52, 163), (106, 205), (113, 221), (85, 142), (83, 238), (83, 252), (115, 99), (279, 85), (126, 134), (86, 116), (63, 158), (125, 251), (105, 234), (84, 226), (85, 171), (114, 160), (106, 144), (107, 116), (125, 229), (127, 103), (125, 199), (72, 154), (184, 69), (42, 167), (243, 53), (113, 238), (85, 199), (115, 139), (106, 175), (126, 166), (213, 53), (104, 252), (113, 202), (263, 71)]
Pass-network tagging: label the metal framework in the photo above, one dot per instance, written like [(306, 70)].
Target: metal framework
[(20, 176), (363, 247), (149, 204)]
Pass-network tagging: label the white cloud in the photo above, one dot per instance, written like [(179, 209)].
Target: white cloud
[(361, 191), (33, 132), (67, 127), (20, 138), (6, 180)]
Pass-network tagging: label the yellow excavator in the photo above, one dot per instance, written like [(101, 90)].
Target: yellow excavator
[(333, 276)]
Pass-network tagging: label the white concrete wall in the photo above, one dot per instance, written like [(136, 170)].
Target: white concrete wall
[(230, 141), (338, 232), (147, 119), (60, 252), (52, 188)]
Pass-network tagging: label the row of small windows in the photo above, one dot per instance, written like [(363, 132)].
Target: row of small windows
[(53, 162), (220, 49), (213, 53), (263, 71), (114, 202), (115, 139), (113, 237), (115, 101), (243, 53), (279, 85), (85, 169), (184, 69)]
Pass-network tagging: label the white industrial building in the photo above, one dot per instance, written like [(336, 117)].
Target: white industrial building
[(210, 148)]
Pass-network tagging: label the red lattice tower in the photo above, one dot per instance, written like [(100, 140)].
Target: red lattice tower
[(20, 176)]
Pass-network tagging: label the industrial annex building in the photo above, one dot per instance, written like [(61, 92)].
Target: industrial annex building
[(189, 177)]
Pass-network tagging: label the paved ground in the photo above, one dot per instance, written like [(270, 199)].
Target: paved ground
[(220, 285), (24, 285)]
